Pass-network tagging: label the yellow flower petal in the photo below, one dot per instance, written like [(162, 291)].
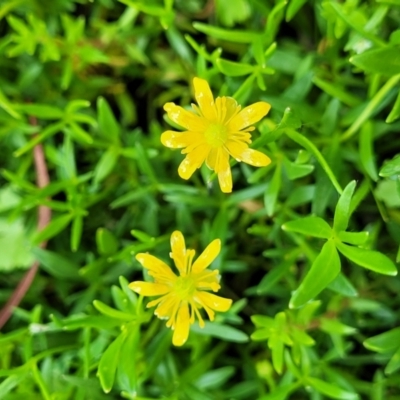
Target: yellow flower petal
[(248, 116), (207, 256), (241, 152), (225, 180), (166, 308), (255, 158), (226, 108), (192, 161), (177, 140), (178, 248), (223, 169), (205, 99), (182, 326), (211, 159), (149, 288), (184, 118), (212, 301), (156, 266)]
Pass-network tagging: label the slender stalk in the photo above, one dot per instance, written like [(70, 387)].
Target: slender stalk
[(44, 216), (371, 107), (303, 141), (40, 382)]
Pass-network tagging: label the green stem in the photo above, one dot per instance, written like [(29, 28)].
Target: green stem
[(371, 107), (40, 382), (303, 141)]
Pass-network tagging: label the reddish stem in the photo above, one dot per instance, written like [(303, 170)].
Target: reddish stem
[(44, 217)]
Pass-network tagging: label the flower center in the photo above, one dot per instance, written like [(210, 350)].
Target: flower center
[(216, 135), (184, 287)]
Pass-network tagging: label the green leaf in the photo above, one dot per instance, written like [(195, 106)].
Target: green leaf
[(323, 270), (337, 92), (231, 68), (215, 378), (178, 43), (85, 321), (293, 7), (109, 362), (7, 107), (261, 334), (55, 226), (262, 321), (56, 265), (334, 326), (352, 21), (394, 363), (271, 194), (76, 232), (237, 36), (42, 111), (107, 243), (356, 238), (343, 286), (295, 171), (281, 392), (367, 151), (144, 163), (310, 226), (342, 211), (221, 331), (391, 167), (277, 348), (384, 342), (270, 279), (275, 17), (80, 134), (127, 368), (112, 312), (395, 112), (106, 164), (369, 259), (14, 245), (385, 61), (330, 390), (10, 383), (230, 12), (302, 337)]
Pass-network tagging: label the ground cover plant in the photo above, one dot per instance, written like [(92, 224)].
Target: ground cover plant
[(199, 199)]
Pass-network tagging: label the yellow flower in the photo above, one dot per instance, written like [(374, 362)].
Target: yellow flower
[(182, 296), (215, 130)]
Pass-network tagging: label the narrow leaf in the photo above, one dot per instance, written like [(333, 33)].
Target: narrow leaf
[(342, 211), (366, 150), (394, 363), (343, 286), (231, 68), (356, 238), (330, 390), (108, 125), (310, 226), (221, 331), (385, 342), (109, 362), (395, 113), (55, 226), (324, 269), (271, 194), (56, 265), (112, 312), (369, 259), (385, 61)]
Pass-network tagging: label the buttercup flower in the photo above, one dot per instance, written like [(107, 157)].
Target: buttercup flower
[(216, 129), (182, 296)]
